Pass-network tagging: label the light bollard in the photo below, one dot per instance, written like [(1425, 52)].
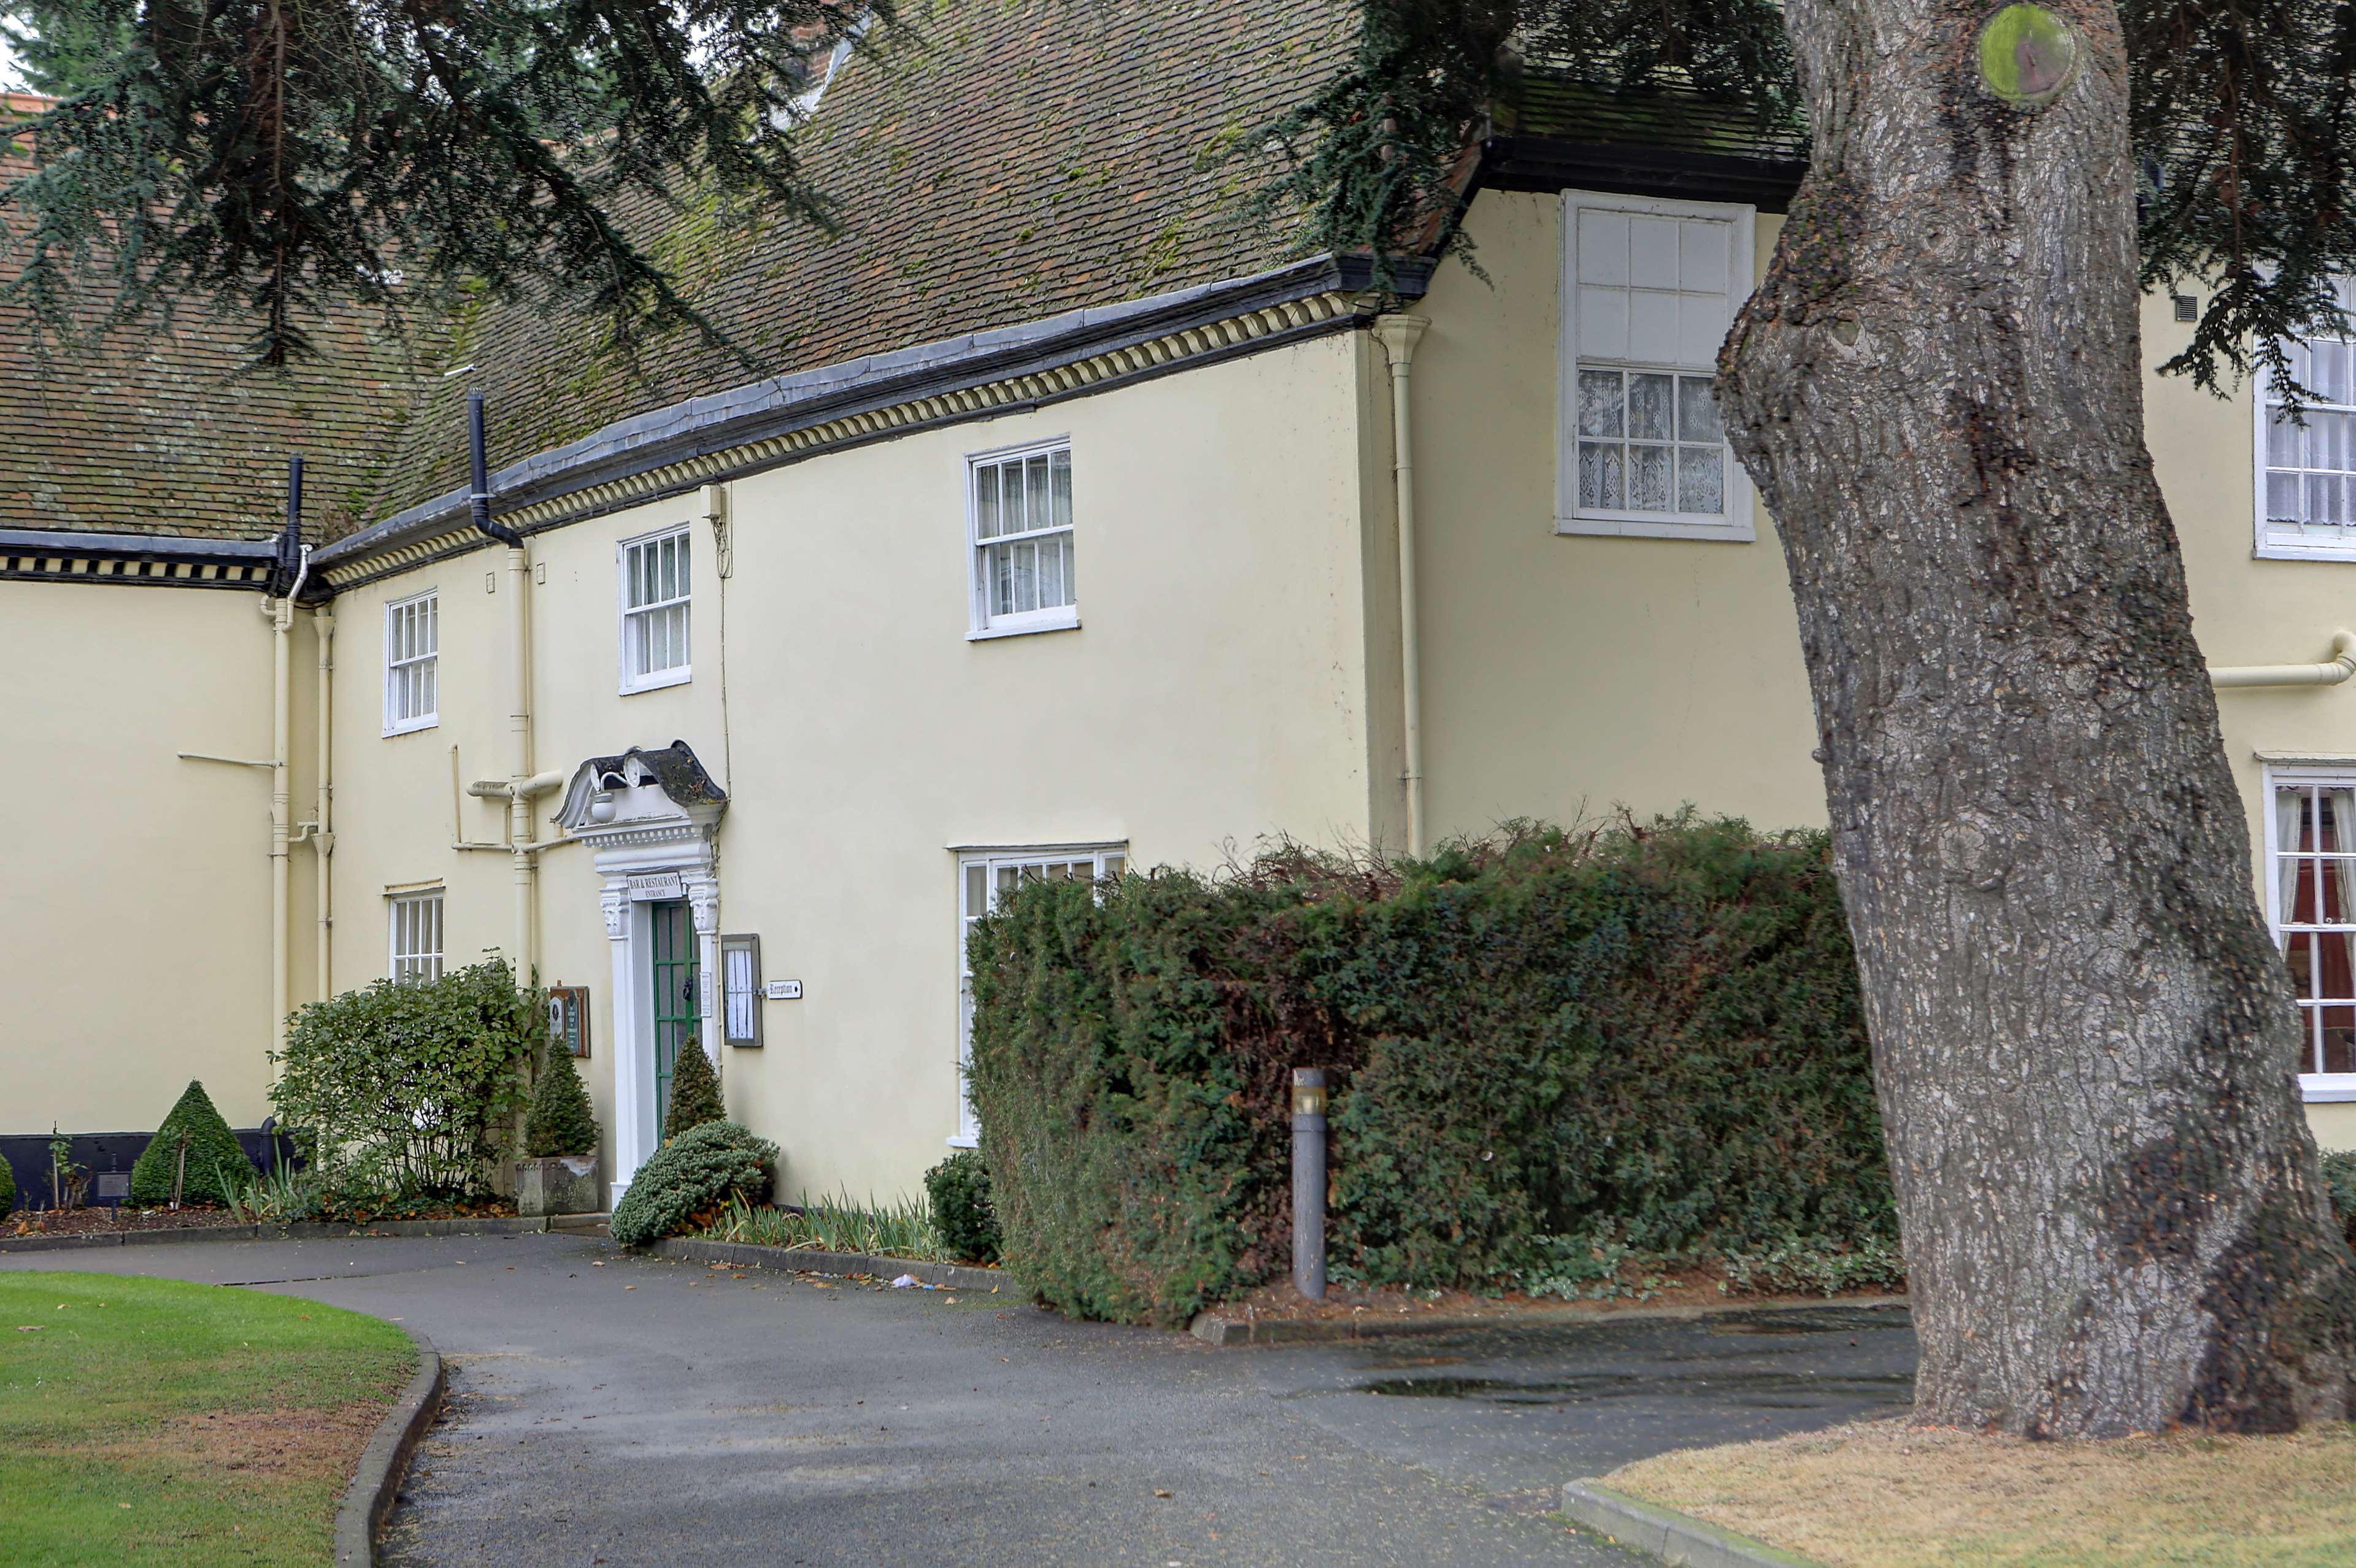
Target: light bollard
[(1308, 1182)]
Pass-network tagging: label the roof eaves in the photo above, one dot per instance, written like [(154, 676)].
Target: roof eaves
[(761, 410)]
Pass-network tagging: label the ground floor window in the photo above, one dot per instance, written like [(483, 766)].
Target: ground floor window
[(416, 921), (2311, 901), (983, 877)]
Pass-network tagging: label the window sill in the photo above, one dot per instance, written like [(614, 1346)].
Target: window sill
[(2270, 549), (668, 678), (413, 726), (962, 1141), (1621, 528), (2328, 1088), (1024, 625)]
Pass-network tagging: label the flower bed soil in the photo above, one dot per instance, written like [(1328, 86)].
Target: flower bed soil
[(1686, 1289), (107, 1221)]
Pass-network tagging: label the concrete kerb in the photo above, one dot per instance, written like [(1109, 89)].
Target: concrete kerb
[(303, 1233), (1675, 1538), (1220, 1326), (744, 1255), (376, 1485)]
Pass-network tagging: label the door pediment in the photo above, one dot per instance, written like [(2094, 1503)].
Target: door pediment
[(643, 796)]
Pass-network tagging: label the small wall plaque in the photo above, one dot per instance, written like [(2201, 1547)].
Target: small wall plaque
[(568, 1018), (656, 885), (783, 990)]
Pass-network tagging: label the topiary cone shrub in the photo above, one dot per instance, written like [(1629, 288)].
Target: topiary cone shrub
[(690, 1179), (214, 1156), (694, 1092), (562, 1120), (960, 1189)]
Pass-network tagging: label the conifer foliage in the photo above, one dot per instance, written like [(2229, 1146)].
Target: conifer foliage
[(694, 1092), (562, 1120), (281, 160), (217, 1162)]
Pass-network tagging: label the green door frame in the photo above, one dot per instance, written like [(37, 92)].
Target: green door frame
[(674, 994)]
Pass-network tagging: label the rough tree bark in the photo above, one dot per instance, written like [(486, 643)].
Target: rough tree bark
[(2085, 1041)]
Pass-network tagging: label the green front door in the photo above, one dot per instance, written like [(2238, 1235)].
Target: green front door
[(674, 995)]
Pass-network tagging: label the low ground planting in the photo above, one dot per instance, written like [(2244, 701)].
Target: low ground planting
[(146, 1421), (1889, 1495), (1556, 1055)]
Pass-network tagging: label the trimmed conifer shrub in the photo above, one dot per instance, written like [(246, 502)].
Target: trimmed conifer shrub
[(7, 1188), (959, 1189), (690, 1180), (562, 1120), (1644, 1035), (218, 1166), (694, 1092)]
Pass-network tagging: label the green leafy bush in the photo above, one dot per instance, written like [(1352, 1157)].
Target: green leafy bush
[(959, 1189), (694, 1092), (1814, 1265), (2340, 1179), (218, 1167), (562, 1120), (408, 1091), (691, 1180), (1644, 1031)]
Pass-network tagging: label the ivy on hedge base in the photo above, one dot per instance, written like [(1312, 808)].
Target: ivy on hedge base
[(217, 1166), (410, 1091), (689, 1179)]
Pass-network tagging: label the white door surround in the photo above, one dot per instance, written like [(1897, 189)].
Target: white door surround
[(651, 819)]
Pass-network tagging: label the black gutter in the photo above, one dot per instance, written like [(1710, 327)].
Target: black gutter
[(1546, 165)]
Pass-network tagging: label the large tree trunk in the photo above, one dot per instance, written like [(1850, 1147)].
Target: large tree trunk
[(2084, 1040)]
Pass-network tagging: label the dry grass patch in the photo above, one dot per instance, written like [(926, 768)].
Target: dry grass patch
[(1886, 1494)]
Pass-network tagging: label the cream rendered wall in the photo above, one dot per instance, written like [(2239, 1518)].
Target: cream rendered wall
[(1215, 691), (135, 944), (1565, 675)]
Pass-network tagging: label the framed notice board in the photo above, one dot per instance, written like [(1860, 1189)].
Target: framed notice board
[(568, 1018)]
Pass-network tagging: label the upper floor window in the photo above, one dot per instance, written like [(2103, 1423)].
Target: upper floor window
[(1020, 512), (1648, 289), (655, 610), (2312, 903), (416, 935), (413, 639), (2307, 474), (984, 878)]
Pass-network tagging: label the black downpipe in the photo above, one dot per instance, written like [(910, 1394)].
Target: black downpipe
[(478, 499), (289, 563)]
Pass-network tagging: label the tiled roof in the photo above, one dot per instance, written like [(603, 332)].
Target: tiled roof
[(1026, 157), (167, 431)]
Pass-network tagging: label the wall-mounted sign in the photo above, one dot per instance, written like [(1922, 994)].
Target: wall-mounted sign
[(783, 990), (568, 1018), (740, 964), (656, 885)]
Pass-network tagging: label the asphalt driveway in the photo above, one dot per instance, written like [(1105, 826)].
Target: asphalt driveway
[(607, 1409)]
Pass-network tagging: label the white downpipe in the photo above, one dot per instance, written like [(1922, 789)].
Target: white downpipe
[(323, 828), (282, 703), (524, 860), (1399, 336), (2341, 665)]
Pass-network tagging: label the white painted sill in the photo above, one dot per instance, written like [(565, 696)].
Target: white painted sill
[(668, 678), (412, 725), (2327, 1088), (961, 1141), (1628, 527), (2269, 549), (1064, 619)]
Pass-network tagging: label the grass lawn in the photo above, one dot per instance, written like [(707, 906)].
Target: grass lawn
[(1883, 1494), (150, 1421)]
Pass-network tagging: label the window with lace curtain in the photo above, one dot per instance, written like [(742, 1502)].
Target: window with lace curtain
[(2312, 903), (655, 601), (2307, 466)]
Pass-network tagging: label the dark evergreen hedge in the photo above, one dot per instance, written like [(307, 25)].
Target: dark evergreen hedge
[(1646, 1035), (959, 1189), (217, 1166)]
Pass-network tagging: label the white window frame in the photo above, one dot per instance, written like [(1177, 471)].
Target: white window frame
[(1735, 525), (421, 911), (2316, 1087), (1110, 860), (2291, 541), (674, 674), (1062, 617), (395, 667)]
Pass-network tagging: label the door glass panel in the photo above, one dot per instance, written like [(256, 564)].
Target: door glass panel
[(675, 1001)]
